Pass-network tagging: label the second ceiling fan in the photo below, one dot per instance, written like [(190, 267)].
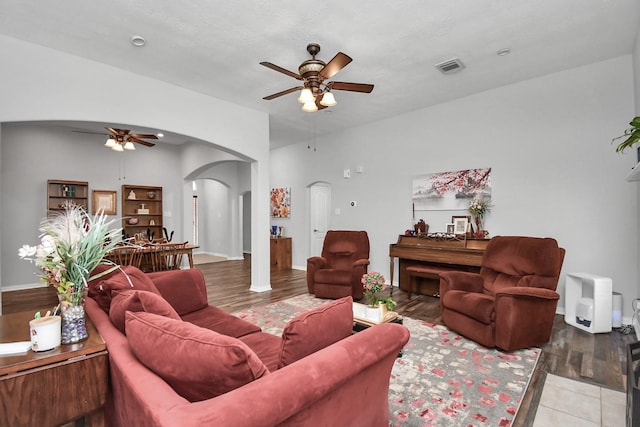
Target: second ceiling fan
[(315, 93), (123, 139)]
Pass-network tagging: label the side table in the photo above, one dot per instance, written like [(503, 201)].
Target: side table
[(280, 248), (53, 387)]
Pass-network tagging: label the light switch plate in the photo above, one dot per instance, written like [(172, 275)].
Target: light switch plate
[(347, 173)]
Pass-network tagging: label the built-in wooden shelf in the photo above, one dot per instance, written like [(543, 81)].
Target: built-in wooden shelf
[(60, 192), (143, 205)]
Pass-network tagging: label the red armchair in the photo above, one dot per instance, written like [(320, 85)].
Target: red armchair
[(337, 273), (511, 303)]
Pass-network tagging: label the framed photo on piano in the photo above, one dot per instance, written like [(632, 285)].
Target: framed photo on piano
[(461, 224)]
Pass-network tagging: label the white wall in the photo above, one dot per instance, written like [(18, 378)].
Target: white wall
[(555, 172), (44, 84), (214, 217), (32, 154)]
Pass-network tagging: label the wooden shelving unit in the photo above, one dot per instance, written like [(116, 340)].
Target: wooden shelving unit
[(60, 192), (142, 210)]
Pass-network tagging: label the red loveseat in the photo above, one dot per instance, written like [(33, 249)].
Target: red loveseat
[(184, 362)]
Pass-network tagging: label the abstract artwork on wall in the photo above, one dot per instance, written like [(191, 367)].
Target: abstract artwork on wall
[(450, 190), (281, 202)]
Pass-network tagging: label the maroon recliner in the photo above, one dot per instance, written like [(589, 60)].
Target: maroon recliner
[(338, 272), (511, 303)]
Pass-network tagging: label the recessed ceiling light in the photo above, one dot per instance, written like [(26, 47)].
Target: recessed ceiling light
[(159, 135), (138, 41), (503, 52)]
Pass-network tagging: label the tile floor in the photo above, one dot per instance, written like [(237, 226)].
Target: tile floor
[(566, 402)]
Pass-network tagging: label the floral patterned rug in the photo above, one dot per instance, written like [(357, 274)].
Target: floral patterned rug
[(442, 379)]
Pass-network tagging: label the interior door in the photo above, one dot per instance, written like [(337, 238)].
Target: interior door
[(320, 196)]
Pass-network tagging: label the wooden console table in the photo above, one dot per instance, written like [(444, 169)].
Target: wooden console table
[(280, 252), (453, 254), (53, 387)]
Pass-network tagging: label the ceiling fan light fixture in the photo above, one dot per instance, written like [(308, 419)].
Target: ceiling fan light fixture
[(328, 100), (129, 146), (310, 107), (306, 96), (110, 142), (117, 147)]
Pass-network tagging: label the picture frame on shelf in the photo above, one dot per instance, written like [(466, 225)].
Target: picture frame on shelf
[(459, 217), (104, 200), (460, 225), (451, 228)]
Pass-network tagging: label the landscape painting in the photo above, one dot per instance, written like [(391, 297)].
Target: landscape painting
[(450, 190)]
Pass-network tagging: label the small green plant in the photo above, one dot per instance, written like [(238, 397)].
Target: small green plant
[(632, 134), (389, 302)]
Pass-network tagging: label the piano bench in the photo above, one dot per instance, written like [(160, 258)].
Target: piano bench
[(426, 272)]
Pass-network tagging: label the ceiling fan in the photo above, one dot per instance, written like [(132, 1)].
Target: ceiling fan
[(315, 93), (123, 139)]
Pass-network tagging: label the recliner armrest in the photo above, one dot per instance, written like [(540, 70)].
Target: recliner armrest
[(527, 292), (539, 282), (460, 280), (317, 262), (361, 262)]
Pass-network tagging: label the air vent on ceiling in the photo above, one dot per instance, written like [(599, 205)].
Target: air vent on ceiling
[(450, 66)]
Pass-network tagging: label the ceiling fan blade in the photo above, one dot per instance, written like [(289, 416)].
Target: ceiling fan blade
[(139, 141), (284, 92), (120, 132), (353, 87), (336, 64), (281, 70), (143, 135)]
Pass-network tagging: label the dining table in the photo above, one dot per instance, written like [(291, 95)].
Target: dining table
[(151, 257)]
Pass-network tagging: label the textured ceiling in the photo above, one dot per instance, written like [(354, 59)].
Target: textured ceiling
[(215, 47)]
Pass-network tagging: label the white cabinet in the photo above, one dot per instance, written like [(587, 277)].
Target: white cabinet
[(588, 300)]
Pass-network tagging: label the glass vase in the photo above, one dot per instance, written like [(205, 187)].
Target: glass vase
[(479, 232), (74, 326)]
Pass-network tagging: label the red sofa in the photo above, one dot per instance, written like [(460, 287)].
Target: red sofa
[(308, 377)]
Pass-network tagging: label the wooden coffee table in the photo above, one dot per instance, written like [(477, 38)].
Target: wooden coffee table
[(362, 324), (53, 387)]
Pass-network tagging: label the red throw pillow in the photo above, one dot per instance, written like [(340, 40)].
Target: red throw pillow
[(316, 329), (201, 364), (135, 300), (128, 278)]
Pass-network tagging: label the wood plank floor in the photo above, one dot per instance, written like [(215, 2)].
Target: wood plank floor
[(597, 359)]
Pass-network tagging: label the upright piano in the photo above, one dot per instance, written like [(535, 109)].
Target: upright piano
[(436, 250)]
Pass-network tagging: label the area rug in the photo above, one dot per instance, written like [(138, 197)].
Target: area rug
[(442, 379)]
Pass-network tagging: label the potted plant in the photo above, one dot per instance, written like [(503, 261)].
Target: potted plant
[(373, 283), (632, 135)]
